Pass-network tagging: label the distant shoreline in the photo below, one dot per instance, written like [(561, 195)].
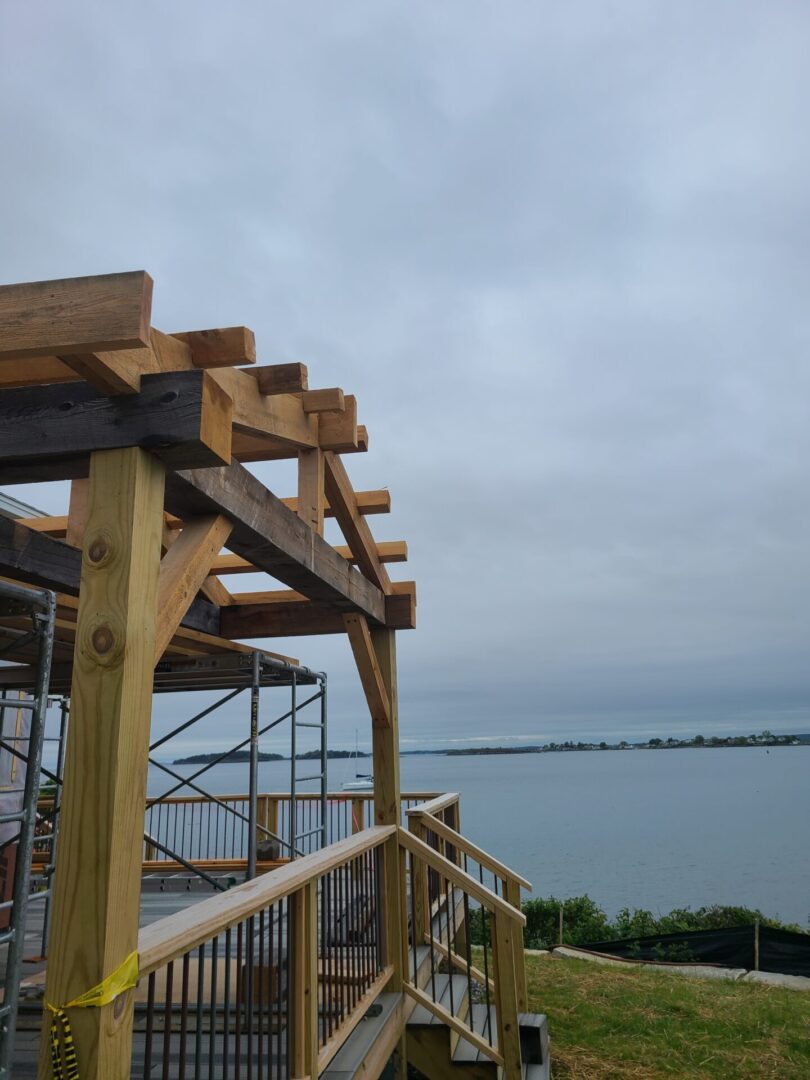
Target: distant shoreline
[(766, 739)]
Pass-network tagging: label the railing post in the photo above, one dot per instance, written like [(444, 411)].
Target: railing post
[(419, 885), (261, 818), (303, 991), (506, 995), (358, 815), (512, 896)]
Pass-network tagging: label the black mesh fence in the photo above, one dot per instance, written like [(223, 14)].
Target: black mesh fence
[(779, 950)]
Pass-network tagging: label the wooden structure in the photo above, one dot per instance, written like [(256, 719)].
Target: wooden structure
[(154, 432)]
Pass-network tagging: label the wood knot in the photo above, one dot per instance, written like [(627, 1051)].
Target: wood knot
[(97, 550), (102, 639)]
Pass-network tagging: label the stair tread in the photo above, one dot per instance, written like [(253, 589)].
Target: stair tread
[(423, 1017), (465, 1051)]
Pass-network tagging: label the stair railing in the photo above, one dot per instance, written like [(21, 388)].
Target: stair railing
[(428, 821), (270, 977), (445, 908)]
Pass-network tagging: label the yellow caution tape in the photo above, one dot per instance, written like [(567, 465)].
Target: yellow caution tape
[(63, 1050)]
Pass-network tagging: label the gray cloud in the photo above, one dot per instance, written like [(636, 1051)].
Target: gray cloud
[(559, 252)]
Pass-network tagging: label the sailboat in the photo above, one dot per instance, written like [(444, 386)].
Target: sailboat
[(362, 781)]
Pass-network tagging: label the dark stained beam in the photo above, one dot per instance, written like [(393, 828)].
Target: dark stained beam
[(300, 618), (49, 432), (37, 559), (272, 537)]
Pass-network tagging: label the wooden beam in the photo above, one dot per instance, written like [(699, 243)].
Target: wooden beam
[(34, 370), (272, 537), (338, 430), (75, 315), (320, 401), (32, 557), (183, 570), (388, 551), (108, 372), (48, 433), (311, 498), (281, 378), (228, 347), (343, 501), (368, 669), (368, 502), (97, 884), (77, 512), (291, 617)]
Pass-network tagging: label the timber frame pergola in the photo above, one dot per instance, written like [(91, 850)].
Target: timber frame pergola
[(154, 430)]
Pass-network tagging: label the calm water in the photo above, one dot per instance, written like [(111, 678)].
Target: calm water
[(653, 829)]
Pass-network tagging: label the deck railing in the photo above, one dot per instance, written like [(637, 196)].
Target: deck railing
[(217, 828), (268, 979), (429, 823), (465, 923)]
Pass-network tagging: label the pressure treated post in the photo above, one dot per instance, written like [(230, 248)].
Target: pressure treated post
[(512, 896), (358, 815), (385, 751), (304, 983), (506, 995), (97, 882), (419, 884)]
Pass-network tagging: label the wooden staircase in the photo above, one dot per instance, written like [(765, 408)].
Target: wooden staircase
[(440, 1053)]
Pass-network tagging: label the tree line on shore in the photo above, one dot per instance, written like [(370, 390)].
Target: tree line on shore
[(765, 738), (584, 921)]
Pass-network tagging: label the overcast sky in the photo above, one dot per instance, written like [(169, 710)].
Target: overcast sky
[(558, 251)]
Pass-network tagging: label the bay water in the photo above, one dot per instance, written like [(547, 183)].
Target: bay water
[(655, 829)]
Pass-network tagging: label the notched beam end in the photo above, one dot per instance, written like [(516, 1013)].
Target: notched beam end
[(230, 346)]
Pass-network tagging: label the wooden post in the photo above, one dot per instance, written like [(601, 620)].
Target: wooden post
[(77, 512), (419, 884), (304, 985), (261, 818), (358, 815), (506, 995), (756, 945), (385, 755), (272, 819), (311, 497), (98, 880), (562, 909), (512, 896)]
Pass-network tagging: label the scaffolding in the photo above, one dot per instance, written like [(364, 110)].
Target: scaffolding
[(33, 612)]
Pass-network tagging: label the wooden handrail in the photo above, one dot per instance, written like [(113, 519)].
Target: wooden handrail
[(436, 803), (282, 796), (177, 934), (459, 877), (469, 848)]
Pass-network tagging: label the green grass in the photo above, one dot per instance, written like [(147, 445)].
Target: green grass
[(609, 1023)]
